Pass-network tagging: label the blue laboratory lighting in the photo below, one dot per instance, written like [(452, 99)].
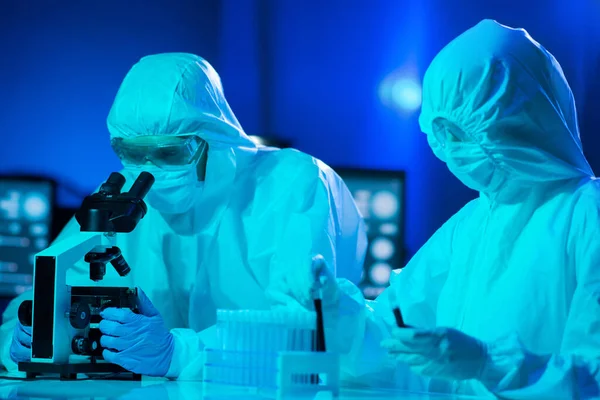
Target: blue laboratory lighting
[(402, 92)]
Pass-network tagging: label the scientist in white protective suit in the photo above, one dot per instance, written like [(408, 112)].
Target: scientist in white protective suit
[(504, 299), (229, 224)]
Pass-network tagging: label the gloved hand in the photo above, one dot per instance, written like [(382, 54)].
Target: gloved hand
[(140, 343), (300, 287), (441, 353), (325, 285), (20, 348)]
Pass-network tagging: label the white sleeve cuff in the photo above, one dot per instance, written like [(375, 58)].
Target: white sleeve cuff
[(514, 373), (510, 366), (188, 353), (504, 359)]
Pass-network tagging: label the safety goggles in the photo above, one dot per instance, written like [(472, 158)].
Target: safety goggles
[(170, 151), (446, 132)]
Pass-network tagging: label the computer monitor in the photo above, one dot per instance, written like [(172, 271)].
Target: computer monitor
[(379, 196), (26, 206)]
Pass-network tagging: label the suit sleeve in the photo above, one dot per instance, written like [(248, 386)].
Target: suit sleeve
[(574, 372), (416, 290)]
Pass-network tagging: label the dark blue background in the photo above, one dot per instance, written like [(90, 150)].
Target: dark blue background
[(307, 71)]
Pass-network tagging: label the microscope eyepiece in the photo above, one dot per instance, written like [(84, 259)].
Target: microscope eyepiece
[(111, 211), (113, 184), (142, 185)]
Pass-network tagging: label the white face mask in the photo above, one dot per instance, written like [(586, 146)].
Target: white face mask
[(174, 190), (470, 164)]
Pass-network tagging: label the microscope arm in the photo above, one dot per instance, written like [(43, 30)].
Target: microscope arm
[(52, 297), (73, 248)]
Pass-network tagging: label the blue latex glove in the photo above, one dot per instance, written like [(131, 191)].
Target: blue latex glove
[(441, 353), (20, 348), (140, 343)]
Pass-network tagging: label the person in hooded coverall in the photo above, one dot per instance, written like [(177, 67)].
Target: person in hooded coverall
[(229, 224), (504, 299)]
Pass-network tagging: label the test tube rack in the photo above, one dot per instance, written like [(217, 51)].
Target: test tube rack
[(268, 354)]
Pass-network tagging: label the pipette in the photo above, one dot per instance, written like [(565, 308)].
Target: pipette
[(396, 310), (317, 295)]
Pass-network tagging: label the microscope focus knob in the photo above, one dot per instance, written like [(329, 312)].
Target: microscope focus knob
[(25, 313), (85, 346), (80, 315), (80, 345)]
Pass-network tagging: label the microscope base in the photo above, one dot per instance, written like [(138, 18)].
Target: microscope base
[(70, 371)]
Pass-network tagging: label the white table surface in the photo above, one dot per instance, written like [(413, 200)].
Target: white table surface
[(150, 389)]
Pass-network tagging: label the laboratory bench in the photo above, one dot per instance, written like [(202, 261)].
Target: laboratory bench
[(158, 389)]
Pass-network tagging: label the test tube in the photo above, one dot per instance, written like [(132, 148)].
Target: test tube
[(292, 331), (247, 347), (257, 347), (239, 354), (269, 355), (229, 353), (280, 332), (222, 330), (268, 341), (260, 356), (219, 327), (274, 342)]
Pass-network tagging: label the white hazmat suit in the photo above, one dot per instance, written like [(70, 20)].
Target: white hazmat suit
[(228, 249), (519, 267)]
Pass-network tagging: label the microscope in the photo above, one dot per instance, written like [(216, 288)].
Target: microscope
[(64, 319)]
